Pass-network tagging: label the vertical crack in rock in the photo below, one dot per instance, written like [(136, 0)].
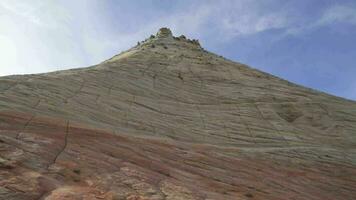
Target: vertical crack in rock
[(25, 126), (65, 143)]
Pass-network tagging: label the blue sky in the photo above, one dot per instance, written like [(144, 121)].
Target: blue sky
[(309, 42)]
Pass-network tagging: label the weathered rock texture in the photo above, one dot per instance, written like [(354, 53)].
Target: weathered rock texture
[(169, 120)]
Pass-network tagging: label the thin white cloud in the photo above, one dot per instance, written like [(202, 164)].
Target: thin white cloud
[(333, 14), (43, 36), (228, 19), (46, 14), (338, 13), (252, 24)]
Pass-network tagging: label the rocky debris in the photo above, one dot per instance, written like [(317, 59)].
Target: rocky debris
[(172, 123)]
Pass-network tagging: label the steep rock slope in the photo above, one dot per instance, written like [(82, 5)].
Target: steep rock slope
[(169, 120)]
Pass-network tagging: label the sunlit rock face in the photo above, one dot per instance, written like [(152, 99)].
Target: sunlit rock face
[(167, 120)]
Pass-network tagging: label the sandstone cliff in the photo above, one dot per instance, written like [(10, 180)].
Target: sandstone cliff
[(169, 120)]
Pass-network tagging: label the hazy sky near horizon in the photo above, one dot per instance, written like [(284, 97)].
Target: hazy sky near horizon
[(309, 42)]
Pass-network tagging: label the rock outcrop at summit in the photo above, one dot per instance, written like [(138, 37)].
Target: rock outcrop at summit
[(164, 32), (168, 120)]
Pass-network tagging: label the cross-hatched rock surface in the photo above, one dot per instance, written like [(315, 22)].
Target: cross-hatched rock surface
[(167, 120)]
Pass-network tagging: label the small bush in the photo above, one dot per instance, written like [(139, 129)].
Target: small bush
[(182, 37), (77, 171), (249, 195), (195, 42)]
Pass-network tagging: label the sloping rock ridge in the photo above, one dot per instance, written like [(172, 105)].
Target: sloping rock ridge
[(168, 120)]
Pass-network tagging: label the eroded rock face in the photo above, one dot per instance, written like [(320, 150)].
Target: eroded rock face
[(164, 32), (167, 120)]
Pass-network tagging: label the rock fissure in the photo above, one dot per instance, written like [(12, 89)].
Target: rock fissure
[(64, 146), (24, 127)]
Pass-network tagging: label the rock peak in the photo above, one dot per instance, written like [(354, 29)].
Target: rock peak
[(164, 32)]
